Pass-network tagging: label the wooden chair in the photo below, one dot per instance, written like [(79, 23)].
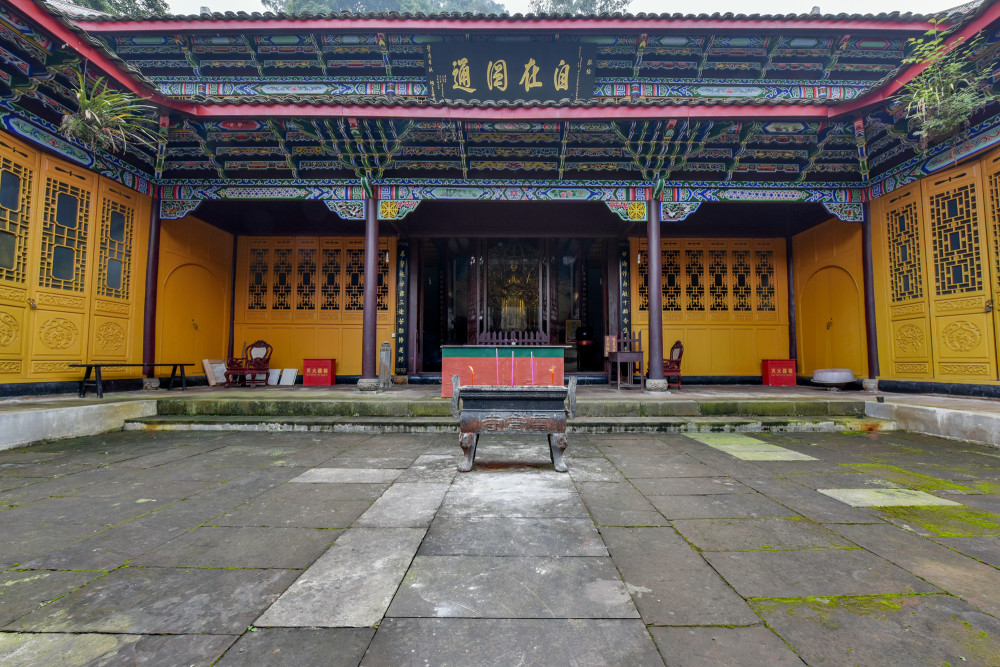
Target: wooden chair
[(672, 365), (254, 363), (627, 351)]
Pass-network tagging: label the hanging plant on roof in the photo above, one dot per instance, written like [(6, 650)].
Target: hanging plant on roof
[(941, 98), (108, 119)]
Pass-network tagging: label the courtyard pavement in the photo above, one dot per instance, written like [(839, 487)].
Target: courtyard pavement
[(199, 548)]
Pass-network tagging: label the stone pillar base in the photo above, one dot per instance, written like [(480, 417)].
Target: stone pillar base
[(150, 384), (368, 384), (659, 386), (870, 385)]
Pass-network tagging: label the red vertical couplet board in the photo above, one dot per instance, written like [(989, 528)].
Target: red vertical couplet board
[(778, 372), (516, 365)]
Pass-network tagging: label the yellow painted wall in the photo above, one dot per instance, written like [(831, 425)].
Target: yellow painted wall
[(727, 302), (303, 295), (72, 268), (936, 257), (829, 298), (193, 292)]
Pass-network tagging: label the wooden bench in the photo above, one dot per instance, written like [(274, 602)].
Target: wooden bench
[(521, 409), (96, 368)]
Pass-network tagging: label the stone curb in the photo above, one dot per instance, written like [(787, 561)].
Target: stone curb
[(30, 426), (981, 427)]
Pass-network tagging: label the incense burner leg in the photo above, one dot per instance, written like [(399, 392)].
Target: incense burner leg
[(468, 442), (557, 445)]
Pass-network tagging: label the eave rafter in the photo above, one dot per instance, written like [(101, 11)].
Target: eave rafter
[(823, 135)]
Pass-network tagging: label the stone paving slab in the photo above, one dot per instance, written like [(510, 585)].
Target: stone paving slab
[(512, 587), (974, 582), (107, 650), (404, 506), (985, 549), (670, 583), (512, 537), (765, 574), (732, 647), (96, 512), (247, 547), (884, 497), (348, 475), (21, 592), (460, 642), (758, 534), (107, 550), (717, 506), (898, 630), (330, 647), (690, 486), (293, 514), (154, 600), (25, 542), (350, 585), (306, 492)]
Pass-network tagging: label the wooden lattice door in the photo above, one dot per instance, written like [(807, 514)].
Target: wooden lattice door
[(962, 323)]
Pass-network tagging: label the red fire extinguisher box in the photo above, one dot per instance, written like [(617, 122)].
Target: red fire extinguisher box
[(319, 372), (778, 372)]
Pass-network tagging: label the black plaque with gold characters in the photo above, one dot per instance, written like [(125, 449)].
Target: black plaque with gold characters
[(510, 71)]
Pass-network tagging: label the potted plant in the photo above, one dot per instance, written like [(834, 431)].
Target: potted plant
[(951, 87), (108, 119)]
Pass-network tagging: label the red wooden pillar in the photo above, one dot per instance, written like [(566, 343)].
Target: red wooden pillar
[(369, 336), (152, 280), (655, 282)]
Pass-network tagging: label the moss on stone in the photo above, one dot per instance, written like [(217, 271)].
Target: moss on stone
[(860, 605), (908, 478), (947, 521)]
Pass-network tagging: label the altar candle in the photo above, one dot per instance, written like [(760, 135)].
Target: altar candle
[(532, 368), (512, 368), (473, 375), (498, 366), (553, 371)]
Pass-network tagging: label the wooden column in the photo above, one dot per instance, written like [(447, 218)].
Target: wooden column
[(655, 283), (793, 343), (869, 276), (369, 336), (152, 280)]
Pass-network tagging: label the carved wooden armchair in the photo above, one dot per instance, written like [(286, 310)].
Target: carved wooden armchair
[(672, 365), (252, 367)]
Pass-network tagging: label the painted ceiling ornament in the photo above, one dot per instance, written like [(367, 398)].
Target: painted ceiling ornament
[(909, 338), (8, 329), (58, 333), (961, 336), (366, 183)]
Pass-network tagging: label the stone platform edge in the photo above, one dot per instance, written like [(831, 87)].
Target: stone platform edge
[(975, 426), (25, 427)]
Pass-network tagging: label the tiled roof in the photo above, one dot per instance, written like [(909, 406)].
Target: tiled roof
[(501, 18)]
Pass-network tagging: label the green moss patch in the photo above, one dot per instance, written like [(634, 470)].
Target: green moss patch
[(860, 605), (947, 521), (908, 478)]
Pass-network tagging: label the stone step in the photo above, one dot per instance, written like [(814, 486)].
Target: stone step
[(645, 407), (595, 425)]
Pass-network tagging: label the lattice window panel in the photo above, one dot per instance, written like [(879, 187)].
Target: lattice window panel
[(903, 230), (15, 216), (331, 279), (742, 281), (694, 286), (764, 279), (670, 270), (282, 278), (354, 279), (65, 220), (957, 263), (642, 281), (305, 284), (257, 285), (993, 186), (114, 266), (382, 290), (718, 280)]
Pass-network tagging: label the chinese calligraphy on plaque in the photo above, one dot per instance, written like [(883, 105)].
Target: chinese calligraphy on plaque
[(499, 71)]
